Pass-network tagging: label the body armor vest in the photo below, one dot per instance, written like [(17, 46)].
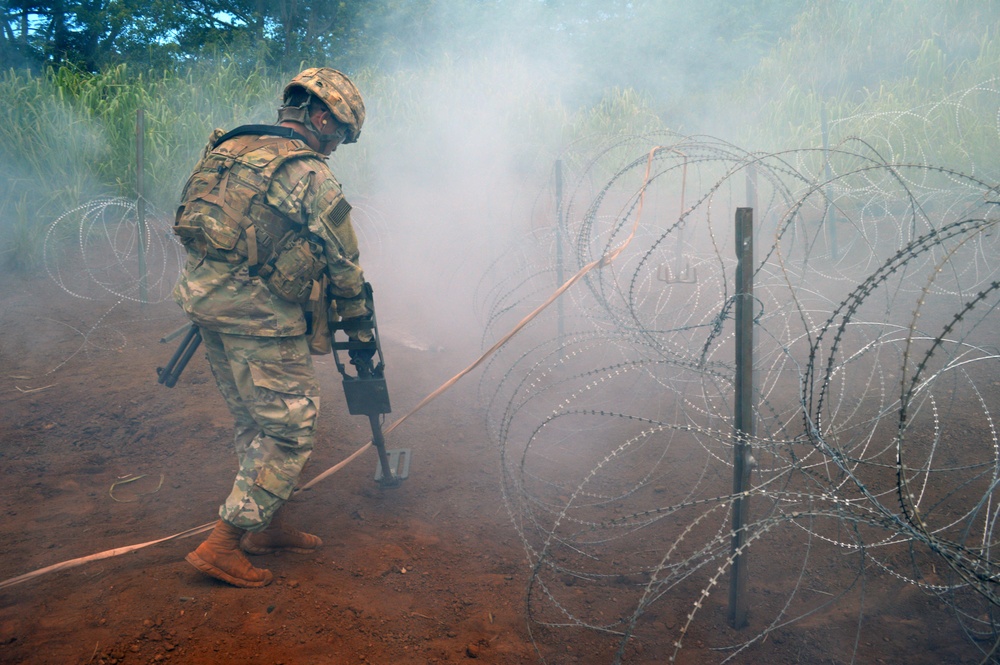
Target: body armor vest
[(224, 214)]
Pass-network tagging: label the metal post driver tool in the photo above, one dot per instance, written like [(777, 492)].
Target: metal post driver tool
[(367, 395)]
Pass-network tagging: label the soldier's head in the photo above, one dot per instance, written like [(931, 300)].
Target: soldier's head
[(327, 104)]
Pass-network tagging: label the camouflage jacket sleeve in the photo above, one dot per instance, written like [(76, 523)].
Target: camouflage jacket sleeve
[(306, 191)]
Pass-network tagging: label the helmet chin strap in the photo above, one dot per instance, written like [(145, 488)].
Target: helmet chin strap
[(325, 139), (300, 114)]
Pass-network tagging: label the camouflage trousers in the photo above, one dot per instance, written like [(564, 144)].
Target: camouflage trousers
[(270, 387)]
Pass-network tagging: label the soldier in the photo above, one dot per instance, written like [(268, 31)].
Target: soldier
[(271, 254)]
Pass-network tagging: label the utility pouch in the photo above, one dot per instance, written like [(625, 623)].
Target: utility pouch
[(190, 236), (318, 336), (299, 263), (221, 234), (205, 229)]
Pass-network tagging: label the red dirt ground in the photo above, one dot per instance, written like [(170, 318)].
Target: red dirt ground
[(431, 572)]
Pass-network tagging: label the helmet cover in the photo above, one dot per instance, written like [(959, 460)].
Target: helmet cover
[(338, 93)]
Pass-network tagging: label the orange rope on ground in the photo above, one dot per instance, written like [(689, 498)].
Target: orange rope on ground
[(601, 262), (107, 554)]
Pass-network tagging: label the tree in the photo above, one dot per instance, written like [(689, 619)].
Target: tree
[(92, 34), (87, 33)]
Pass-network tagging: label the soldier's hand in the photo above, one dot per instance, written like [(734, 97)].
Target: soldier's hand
[(358, 327)]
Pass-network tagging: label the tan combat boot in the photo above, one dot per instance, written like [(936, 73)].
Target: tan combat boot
[(220, 557), (278, 536)]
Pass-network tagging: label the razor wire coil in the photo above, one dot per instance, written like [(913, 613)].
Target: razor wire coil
[(874, 358)]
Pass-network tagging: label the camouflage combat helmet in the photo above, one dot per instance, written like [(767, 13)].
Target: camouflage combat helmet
[(337, 92)]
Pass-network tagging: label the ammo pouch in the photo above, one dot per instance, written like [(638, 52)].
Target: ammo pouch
[(292, 272)]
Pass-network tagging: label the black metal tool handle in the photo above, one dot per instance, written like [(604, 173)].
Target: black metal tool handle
[(370, 362), (168, 375), (389, 478)]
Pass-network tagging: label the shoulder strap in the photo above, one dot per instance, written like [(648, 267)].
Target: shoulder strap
[(267, 130)]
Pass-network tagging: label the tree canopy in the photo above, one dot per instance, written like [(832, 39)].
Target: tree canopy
[(92, 34), (637, 43)]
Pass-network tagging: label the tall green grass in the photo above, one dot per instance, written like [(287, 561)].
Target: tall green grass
[(915, 79), (70, 136), (47, 151)]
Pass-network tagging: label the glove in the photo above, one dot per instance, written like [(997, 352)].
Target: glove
[(358, 327), (358, 305)]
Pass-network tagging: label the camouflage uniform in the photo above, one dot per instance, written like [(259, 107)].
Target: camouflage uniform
[(255, 340)]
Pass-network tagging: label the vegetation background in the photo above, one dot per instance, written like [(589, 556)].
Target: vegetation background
[(536, 75)]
